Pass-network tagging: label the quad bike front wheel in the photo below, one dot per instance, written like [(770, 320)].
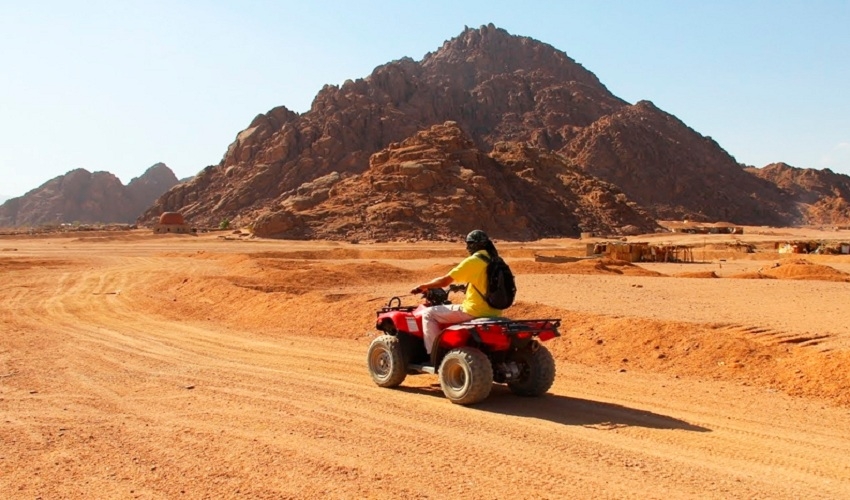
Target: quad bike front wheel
[(466, 376), (536, 372), (386, 361)]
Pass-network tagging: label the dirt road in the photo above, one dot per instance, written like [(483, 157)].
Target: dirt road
[(183, 367)]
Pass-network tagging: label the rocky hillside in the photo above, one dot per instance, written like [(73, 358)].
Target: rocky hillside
[(821, 196), (497, 88), (86, 197), (437, 184), (666, 166)]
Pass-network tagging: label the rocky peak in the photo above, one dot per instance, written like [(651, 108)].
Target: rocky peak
[(823, 196), (494, 85), (86, 197), (498, 88), (489, 51), (145, 189), (674, 171)]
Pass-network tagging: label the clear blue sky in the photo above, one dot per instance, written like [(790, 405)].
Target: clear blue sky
[(120, 85)]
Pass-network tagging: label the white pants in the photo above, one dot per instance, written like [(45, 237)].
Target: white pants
[(434, 316)]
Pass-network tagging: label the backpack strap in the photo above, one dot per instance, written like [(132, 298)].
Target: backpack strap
[(487, 260), (482, 257)]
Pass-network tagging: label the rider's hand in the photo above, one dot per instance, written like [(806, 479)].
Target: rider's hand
[(416, 290)]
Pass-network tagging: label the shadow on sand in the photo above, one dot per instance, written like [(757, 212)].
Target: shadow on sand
[(568, 411)]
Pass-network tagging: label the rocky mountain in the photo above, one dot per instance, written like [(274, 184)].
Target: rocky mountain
[(821, 196), (676, 173), (86, 197), (504, 93), (516, 192)]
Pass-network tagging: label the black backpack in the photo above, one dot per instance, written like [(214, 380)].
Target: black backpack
[(501, 288)]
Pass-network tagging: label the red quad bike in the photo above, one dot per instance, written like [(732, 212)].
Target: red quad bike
[(468, 357)]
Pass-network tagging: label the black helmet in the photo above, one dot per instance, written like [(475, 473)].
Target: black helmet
[(477, 236)]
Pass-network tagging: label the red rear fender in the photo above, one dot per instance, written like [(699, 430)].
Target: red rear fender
[(454, 337), (547, 336)]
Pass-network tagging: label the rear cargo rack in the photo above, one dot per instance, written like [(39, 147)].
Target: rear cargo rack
[(514, 326), (394, 304)]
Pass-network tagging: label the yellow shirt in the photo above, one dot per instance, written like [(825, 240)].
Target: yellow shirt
[(473, 271)]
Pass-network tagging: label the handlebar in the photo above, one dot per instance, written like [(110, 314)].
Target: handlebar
[(432, 296), (460, 287), (438, 296)]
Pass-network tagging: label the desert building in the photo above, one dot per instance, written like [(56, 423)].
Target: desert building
[(171, 222), (641, 252)]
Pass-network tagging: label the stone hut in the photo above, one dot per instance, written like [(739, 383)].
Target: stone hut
[(171, 222)]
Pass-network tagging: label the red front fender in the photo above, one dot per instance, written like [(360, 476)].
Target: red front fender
[(402, 321)]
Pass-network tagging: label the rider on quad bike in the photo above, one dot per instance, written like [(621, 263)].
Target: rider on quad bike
[(472, 271), (468, 353)]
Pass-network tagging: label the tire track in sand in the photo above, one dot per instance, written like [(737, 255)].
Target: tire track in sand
[(298, 415)]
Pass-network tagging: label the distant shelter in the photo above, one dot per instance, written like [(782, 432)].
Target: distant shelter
[(642, 252), (704, 228), (812, 246), (172, 222)]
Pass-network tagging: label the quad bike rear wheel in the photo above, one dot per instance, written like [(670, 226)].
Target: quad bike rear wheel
[(466, 376), (386, 361), (536, 372)]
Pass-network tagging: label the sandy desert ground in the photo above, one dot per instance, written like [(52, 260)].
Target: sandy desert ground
[(218, 366)]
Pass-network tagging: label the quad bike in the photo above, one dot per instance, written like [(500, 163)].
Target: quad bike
[(468, 357)]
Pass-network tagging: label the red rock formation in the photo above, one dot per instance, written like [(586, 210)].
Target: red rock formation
[(85, 197), (497, 88), (437, 185), (145, 189), (673, 171), (823, 197)]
